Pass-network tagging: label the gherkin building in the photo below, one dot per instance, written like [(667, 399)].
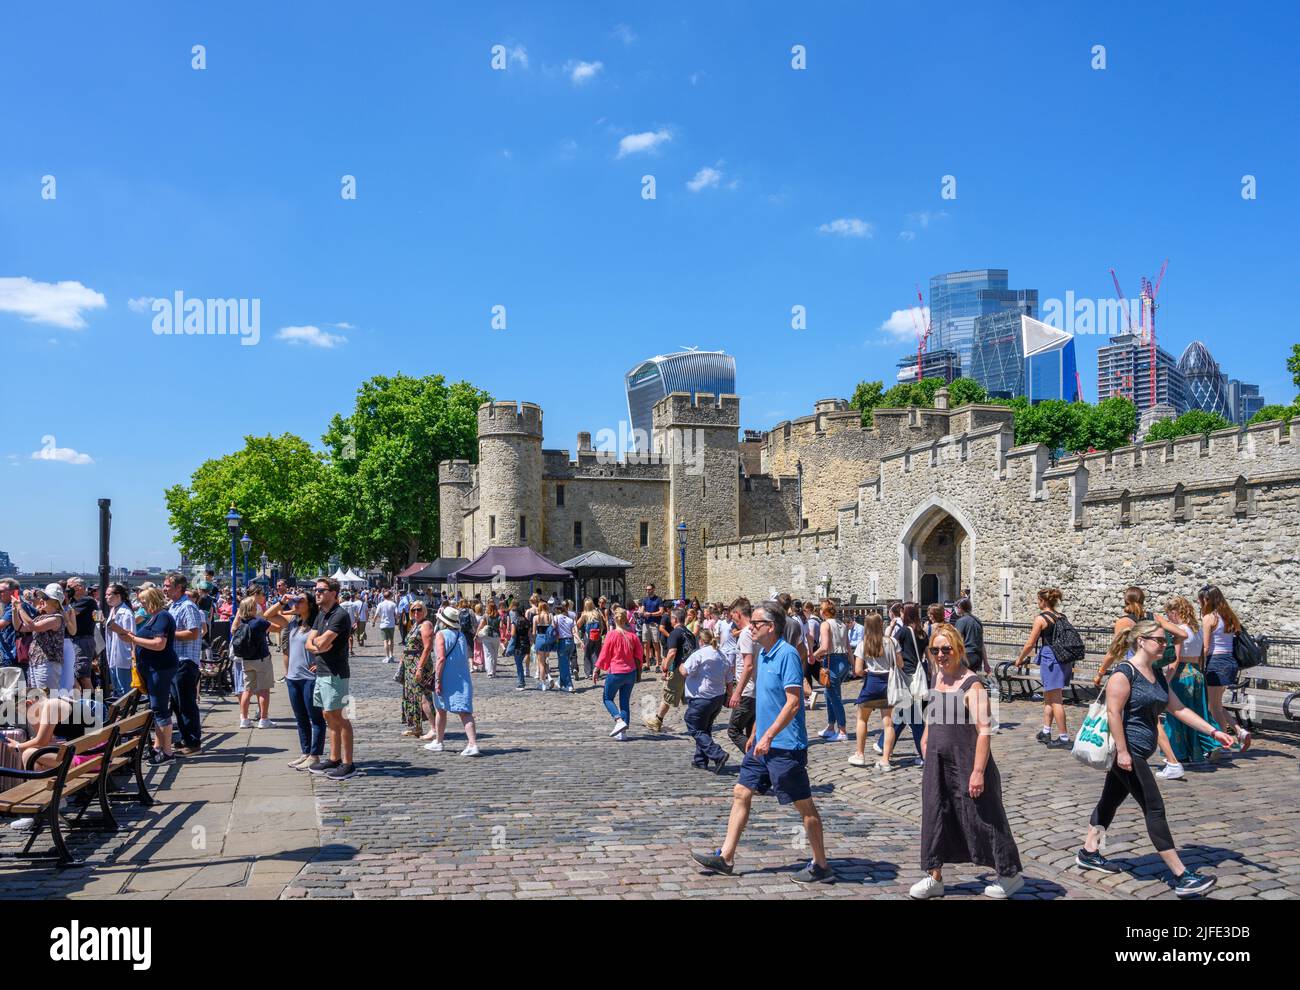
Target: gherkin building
[(1207, 386)]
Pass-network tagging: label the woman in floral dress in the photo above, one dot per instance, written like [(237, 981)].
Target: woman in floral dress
[(417, 667)]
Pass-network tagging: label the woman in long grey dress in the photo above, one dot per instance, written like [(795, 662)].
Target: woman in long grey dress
[(962, 820)]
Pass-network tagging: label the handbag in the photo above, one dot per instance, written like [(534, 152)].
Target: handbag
[(898, 693), (1093, 744)]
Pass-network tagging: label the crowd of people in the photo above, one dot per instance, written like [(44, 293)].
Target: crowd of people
[(767, 665)]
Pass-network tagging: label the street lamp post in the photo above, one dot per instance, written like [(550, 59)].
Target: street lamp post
[(245, 541), (681, 546), (232, 524), (262, 572)]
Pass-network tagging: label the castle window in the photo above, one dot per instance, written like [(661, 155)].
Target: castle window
[(559, 496), (458, 545), (1180, 504), (1241, 501), (577, 532), (1125, 508), (645, 534), (704, 485), (492, 527), (523, 529), (749, 485)]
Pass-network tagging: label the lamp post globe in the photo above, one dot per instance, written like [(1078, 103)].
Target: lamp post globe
[(232, 525)]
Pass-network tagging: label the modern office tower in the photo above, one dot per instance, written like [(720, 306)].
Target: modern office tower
[(1015, 354), (1124, 368), (684, 371), (1207, 386), (957, 299), (1050, 368), (1244, 400), (943, 363), (7, 567)]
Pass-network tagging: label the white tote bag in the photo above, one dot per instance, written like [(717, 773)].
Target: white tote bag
[(1093, 744), (898, 693)]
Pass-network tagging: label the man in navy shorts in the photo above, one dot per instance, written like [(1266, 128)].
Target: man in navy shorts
[(776, 756)]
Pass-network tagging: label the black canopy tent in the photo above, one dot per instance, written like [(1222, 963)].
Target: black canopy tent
[(510, 564), (594, 566), (438, 572)]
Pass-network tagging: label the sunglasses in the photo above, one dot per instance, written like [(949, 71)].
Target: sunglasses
[(320, 591), (941, 651), (1155, 639)]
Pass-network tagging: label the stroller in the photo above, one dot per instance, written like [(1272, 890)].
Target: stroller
[(216, 675)]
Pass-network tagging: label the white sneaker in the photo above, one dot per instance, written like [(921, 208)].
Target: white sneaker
[(469, 751), (542, 686), (883, 766), (265, 723), (245, 723), (925, 889), (308, 763), (876, 746), (619, 727), (24, 825), (840, 737), (433, 747), (828, 733), (621, 737), (857, 761), (1004, 887), (1171, 771), (301, 759)]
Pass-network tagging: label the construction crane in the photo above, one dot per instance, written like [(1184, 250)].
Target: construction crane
[(922, 323), (1146, 321)]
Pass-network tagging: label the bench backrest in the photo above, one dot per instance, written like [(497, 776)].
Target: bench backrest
[(132, 732), (92, 744)]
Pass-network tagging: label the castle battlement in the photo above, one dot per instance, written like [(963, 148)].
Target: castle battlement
[(457, 472), (505, 418), (701, 409)]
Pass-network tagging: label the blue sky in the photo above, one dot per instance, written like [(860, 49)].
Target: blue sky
[(522, 188)]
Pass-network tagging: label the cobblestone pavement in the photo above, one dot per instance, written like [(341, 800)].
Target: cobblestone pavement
[(554, 808)]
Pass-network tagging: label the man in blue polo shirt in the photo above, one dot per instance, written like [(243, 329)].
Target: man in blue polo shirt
[(776, 757)]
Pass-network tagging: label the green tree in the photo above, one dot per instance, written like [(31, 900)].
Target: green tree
[(386, 455), (1110, 423), (964, 391), (281, 487), (1269, 413), (866, 397), (1293, 364), (906, 394), (1191, 422)]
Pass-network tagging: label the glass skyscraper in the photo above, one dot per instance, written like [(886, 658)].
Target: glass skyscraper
[(1050, 368), (957, 299), (1207, 386), (684, 371)]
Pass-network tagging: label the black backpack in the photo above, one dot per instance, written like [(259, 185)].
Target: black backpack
[(241, 641), (1249, 651), (1067, 644)]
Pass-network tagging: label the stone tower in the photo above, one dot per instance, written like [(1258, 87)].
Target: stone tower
[(509, 476), (455, 480), (697, 438)]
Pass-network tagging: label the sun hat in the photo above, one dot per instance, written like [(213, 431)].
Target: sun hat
[(449, 617), (55, 592)]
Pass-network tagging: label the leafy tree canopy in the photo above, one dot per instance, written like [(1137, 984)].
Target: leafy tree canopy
[(1191, 422)]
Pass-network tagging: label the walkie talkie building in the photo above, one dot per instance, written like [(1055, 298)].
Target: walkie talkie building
[(685, 371)]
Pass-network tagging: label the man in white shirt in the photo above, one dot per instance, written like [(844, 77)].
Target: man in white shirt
[(386, 615), (742, 695)]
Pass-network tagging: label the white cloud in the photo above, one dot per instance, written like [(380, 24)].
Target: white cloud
[(65, 455), (519, 55), (705, 178), (581, 72), (847, 227), (925, 217), (56, 304), (902, 323), (632, 144), (907, 235), (314, 336), (624, 34), (140, 304), (341, 326)]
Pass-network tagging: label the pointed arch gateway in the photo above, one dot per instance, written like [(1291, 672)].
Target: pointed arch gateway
[(936, 553)]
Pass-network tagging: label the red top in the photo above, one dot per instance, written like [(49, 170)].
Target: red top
[(621, 653)]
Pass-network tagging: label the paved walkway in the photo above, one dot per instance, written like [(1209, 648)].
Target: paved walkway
[(554, 808)]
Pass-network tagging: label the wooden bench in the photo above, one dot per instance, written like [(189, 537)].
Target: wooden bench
[(1252, 703), (128, 755), (40, 792), (1026, 681)]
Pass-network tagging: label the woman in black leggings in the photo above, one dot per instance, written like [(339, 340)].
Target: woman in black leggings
[(1136, 695)]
